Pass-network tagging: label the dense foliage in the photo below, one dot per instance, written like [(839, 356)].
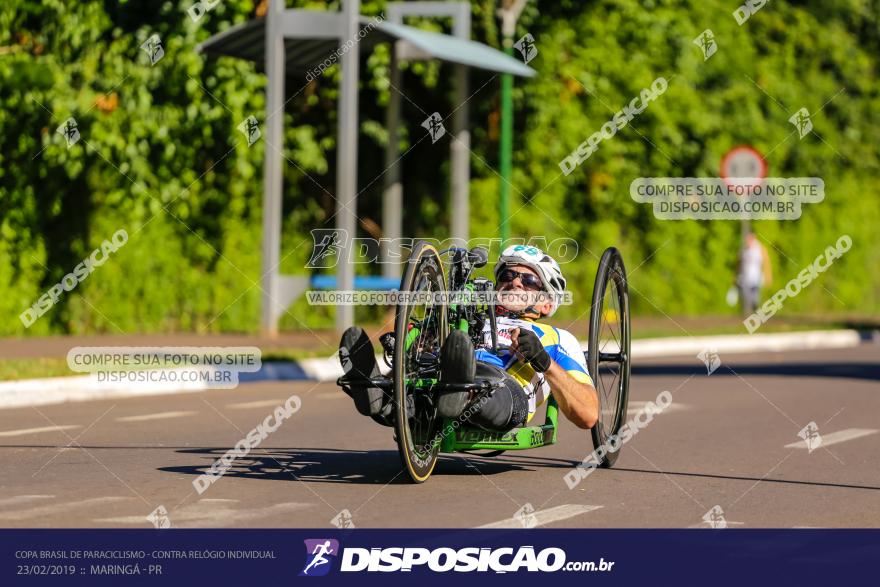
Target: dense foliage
[(161, 157)]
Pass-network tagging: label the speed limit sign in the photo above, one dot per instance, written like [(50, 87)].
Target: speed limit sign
[(743, 165)]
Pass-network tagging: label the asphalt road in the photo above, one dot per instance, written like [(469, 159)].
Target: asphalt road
[(730, 439)]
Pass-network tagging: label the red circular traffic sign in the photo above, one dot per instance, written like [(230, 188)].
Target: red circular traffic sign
[(741, 164)]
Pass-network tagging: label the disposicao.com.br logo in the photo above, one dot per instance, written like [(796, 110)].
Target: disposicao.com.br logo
[(442, 560), (320, 554)]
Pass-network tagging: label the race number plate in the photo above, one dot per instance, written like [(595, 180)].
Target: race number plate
[(505, 325)]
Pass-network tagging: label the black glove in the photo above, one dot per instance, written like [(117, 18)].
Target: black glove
[(530, 347)]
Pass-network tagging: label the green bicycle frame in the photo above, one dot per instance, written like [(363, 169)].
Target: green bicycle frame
[(462, 323), (458, 436)]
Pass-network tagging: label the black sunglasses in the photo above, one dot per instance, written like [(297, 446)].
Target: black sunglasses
[(528, 280)]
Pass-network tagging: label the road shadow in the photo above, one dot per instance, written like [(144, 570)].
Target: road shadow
[(866, 371), (375, 467), (743, 478)]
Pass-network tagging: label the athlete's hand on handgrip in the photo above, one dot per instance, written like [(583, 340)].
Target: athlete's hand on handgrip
[(527, 345)]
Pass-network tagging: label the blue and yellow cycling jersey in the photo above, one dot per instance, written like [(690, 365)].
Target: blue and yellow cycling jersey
[(560, 344)]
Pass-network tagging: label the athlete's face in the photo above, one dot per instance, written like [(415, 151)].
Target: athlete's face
[(519, 287)]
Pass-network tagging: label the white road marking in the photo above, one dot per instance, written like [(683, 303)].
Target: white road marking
[(19, 499), (47, 511), (267, 403), (635, 406), (217, 515), (707, 525), (24, 431), (156, 416), (836, 437), (543, 517)]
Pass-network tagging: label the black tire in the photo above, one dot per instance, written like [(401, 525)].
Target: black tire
[(418, 436), (608, 353)]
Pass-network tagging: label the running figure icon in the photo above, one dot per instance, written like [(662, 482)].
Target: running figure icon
[(318, 555)]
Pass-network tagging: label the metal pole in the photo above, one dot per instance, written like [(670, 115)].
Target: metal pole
[(346, 157), (506, 153), (272, 179), (460, 145), (392, 198), (509, 13)]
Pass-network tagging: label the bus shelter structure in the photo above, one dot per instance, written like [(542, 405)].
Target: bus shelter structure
[(288, 44)]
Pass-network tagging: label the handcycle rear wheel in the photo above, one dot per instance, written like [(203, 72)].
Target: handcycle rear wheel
[(420, 330), (608, 355)]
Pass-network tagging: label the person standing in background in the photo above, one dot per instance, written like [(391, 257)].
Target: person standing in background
[(754, 272)]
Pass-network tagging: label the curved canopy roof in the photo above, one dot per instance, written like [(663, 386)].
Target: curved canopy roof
[(303, 52)]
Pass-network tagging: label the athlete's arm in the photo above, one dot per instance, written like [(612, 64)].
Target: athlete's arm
[(577, 400)]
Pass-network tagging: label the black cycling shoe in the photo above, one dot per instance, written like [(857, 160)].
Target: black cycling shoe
[(458, 364), (359, 362)]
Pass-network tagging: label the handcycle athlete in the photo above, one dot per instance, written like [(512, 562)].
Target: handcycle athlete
[(532, 360)]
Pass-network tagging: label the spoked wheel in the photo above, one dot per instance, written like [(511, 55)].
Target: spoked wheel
[(608, 355), (420, 328)]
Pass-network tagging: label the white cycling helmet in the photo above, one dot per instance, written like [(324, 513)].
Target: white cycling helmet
[(539, 262)]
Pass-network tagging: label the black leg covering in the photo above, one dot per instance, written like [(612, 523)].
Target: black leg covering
[(507, 407)]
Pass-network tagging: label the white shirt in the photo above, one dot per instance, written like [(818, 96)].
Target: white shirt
[(752, 265), (560, 344)]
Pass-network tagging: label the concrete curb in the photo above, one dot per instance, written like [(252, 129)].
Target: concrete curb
[(56, 390), (746, 343), (329, 369)]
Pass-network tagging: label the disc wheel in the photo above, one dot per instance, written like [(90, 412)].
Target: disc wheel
[(420, 329), (608, 353)]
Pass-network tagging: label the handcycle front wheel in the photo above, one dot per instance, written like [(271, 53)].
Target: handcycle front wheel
[(608, 353), (420, 328)]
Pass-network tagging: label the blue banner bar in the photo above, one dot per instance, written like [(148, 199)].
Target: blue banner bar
[(398, 557)]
